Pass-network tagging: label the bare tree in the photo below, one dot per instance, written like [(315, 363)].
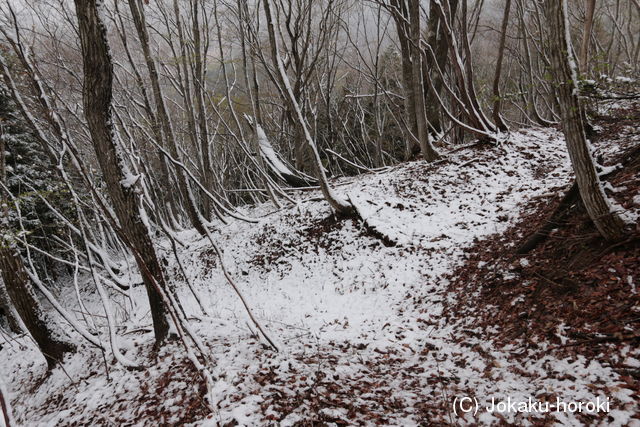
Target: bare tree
[(586, 35), (400, 12), (98, 80), (137, 13), (341, 206), (497, 102), (595, 201), (427, 149)]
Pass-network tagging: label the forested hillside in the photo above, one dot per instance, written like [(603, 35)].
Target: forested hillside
[(333, 212)]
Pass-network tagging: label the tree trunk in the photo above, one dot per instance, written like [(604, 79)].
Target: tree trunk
[(9, 311), (199, 82), (435, 39), (341, 206), (400, 16), (97, 96), (462, 69), (586, 36), (497, 101), (187, 98), (300, 150), (45, 332), (424, 137), (163, 115), (530, 99), (593, 197), (468, 69)]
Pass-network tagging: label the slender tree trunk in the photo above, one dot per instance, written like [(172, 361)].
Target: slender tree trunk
[(168, 199), (97, 96), (429, 153), (341, 206), (595, 201), (586, 36), (185, 82), (253, 89), (400, 16), (199, 82), (410, 108), (163, 115), (468, 69), (300, 149), (462, 69), (435, 39), (497, 98)]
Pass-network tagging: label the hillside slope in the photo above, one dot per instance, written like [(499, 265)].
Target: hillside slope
[(362, 315)]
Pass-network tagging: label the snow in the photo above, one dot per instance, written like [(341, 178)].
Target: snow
[(345, 309), (605, 170), (624, 79), (268, 152), (129, 179)]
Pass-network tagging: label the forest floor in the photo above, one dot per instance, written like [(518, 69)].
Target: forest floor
[(394, 330)]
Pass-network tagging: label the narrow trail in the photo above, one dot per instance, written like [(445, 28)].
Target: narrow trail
[(361, 323)]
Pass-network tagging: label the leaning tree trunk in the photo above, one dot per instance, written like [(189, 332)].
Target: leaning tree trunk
[(170, 141), (46, 333), (594, 199), (341, 206), (9, 311), (97, 96)]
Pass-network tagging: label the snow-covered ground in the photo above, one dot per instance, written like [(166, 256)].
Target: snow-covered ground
[(357, 317)]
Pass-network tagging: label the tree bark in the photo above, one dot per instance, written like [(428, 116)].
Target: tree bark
[(45, 332), (185, 83), (468, 69), (593, 197), (462, 69), (97, 97)]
